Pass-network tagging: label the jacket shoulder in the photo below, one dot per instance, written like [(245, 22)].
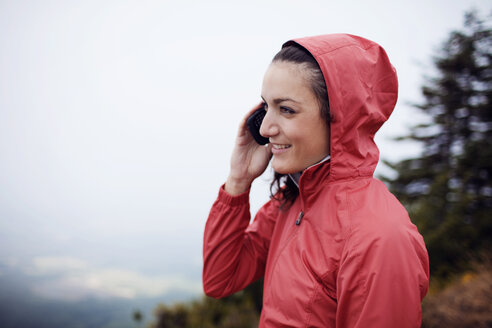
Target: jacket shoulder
[(379, 224)]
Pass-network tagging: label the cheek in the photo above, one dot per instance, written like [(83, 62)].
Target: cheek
[(297, 136), (305, 144), (315, 141), (307, 137)]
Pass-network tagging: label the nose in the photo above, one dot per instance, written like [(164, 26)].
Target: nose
[(269, 127)]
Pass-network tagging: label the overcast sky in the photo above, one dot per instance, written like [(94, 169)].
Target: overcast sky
[(117, 119)]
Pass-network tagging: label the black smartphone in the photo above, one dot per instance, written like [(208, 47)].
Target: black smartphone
[(254, 123)]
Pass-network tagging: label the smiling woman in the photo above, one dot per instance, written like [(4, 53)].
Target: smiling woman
[(298, 134), (305, 72), (336, 249)]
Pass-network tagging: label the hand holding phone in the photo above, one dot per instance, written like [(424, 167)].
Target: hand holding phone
[(248, 160), (254, 123)]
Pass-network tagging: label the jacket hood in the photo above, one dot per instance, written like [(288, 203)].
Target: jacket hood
[(362, 89)]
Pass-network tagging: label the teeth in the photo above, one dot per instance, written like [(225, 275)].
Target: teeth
[(280, 146)]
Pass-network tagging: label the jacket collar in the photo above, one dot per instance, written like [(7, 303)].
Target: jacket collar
[(295, 177)]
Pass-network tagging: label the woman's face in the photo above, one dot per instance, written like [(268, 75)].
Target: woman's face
[(299, 135)]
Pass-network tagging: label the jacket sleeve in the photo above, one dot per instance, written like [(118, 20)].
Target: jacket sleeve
[(383, 277), (235, 251)]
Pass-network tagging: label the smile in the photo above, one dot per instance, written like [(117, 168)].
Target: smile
[(279, 149), (276, 146)]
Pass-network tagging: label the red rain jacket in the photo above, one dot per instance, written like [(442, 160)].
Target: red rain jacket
[(355, 259)]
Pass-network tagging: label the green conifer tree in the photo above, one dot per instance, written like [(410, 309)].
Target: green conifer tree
[(448, 188)]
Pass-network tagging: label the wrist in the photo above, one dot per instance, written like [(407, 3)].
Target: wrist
[(236, 187)]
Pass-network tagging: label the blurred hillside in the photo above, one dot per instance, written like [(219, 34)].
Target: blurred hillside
[(467, 302), (20, 307)]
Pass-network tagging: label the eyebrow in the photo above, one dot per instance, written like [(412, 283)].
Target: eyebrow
[(279, 100)]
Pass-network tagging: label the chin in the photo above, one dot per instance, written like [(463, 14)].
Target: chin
[(284, 169)]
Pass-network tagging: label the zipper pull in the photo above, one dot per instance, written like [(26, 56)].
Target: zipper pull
[(299, 218)]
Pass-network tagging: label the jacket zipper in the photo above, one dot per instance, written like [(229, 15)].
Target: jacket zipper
[(299, 218), (301, 213), (298, 184)]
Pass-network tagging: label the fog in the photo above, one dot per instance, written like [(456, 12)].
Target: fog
[(117, 119)]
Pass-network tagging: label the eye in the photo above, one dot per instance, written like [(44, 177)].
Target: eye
[(287, 110)]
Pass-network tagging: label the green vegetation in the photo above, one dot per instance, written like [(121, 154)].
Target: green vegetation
[(240, 310), (467, 302), (448, 188)]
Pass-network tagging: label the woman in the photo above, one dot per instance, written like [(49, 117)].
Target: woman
[(335, 247)]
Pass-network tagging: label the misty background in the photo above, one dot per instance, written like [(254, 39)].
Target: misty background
[(117, 120)]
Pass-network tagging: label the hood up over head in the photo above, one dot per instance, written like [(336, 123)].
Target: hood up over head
[(362, 90)]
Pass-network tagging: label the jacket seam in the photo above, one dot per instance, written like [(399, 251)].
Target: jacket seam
[(345, 46), (348, 179), (280, 252), (308, 308), (382, 79), (318, 286), (362, 275)]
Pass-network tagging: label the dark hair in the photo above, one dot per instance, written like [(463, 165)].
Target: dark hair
[(294, 53)]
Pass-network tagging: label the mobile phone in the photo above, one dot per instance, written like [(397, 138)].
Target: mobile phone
[(254, 123)]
